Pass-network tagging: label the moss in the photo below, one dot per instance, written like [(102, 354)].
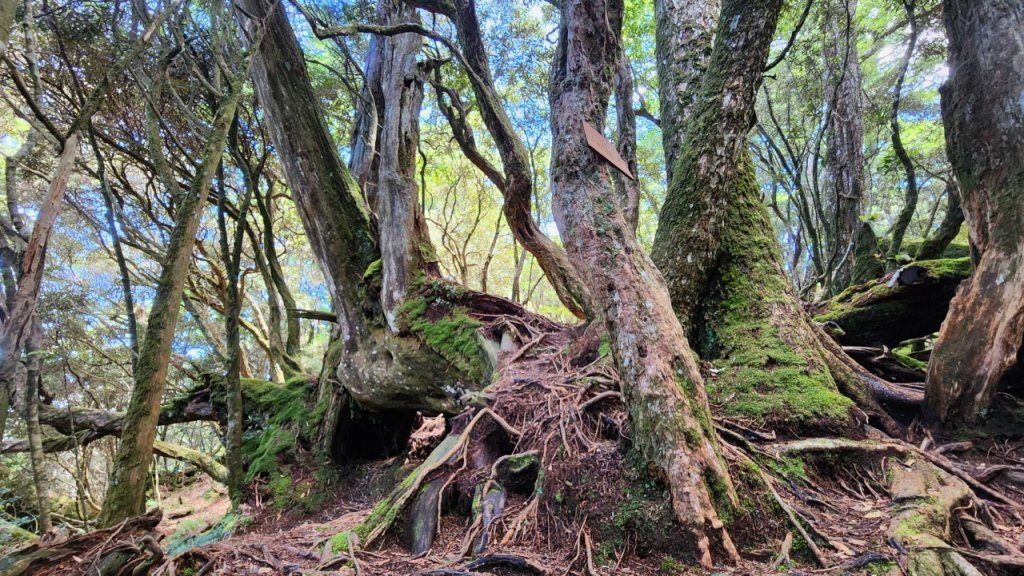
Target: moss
[(770, 364), (375, 269), (447, 330)]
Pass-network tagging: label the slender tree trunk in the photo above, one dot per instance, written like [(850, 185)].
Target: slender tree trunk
[(936, 244), (718, 250), (627, 189), (844, 145), (684, 32), (126, 494), (518, 188), (231, 254), (980, 344), (35, 434), (910, 195), (671, 422)]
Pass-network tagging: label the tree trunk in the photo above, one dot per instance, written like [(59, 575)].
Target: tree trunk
[(518, 186), (627, 189), (845, 141), (936, 244), (898, 307), (366, 363), (906, 214), (981, 340), (684, 32), (126, 495), (671, 421), (8, 8), (392, 194), (716, 246), (35, 434)]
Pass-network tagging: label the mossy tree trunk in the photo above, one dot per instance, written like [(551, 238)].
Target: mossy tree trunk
[(716, 246), (126, 494), (368, 365), (684, 34), (670, 416), (844, 157), (980, 344)]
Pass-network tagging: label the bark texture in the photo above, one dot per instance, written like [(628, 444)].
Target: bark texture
[(684, 33), (662, 385), (390, 188), (718, 251), (979, 346), (845, 139)]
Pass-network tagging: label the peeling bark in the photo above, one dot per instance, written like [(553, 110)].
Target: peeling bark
[(981, 341), (661, 382)]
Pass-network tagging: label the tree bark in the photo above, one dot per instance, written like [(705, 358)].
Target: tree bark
[(627, 189), (684, 32), (35, 433), (719, 253), (392, 193), (660, 380), (845, 141), (126, 495), (980, 343)]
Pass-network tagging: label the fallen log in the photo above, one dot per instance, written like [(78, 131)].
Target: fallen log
[(909, 303)]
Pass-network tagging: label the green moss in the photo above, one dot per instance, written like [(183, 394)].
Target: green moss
[(770, 364), (447, 330), (373, 270)]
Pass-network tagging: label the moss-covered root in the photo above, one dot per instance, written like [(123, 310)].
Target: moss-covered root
[(924, 498)]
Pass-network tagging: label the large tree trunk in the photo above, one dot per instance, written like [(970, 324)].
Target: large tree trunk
[(390, 188), (718, 251), (126, 495), (684, 32), (671, 421), (845, 141), (367, 363), (980, 342)]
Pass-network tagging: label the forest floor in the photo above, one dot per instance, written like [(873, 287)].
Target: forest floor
[(578, 504)]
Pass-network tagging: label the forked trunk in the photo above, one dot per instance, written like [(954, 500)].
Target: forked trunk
[(980, 344), (671, 420)]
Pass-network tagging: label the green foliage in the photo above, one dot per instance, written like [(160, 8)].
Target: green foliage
[(185, 538)]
